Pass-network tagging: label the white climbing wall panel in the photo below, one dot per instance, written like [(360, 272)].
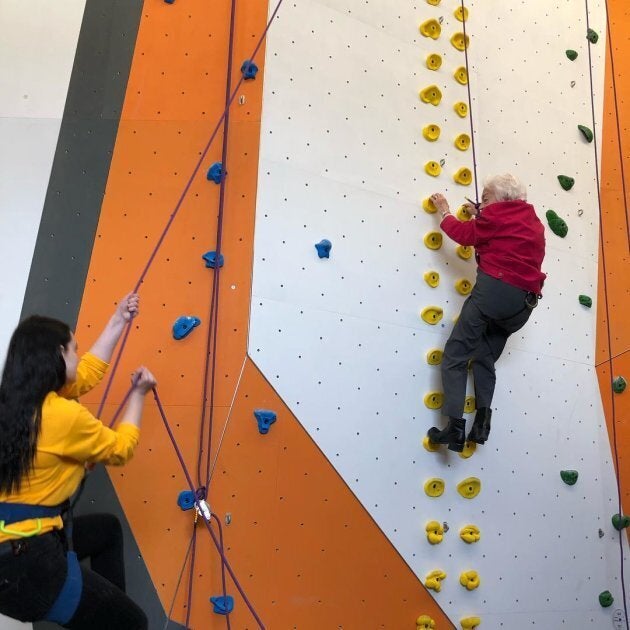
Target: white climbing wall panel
[(342, 158)]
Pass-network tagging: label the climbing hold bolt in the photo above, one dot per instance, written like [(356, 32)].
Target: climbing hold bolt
[(265, 419), (431, 94), (571, 54), (434, 61), (557, 225), (429, 206), (463, 286), (461, 109), (469, 580), (463, 176), (434, 580), (469, 404), (569, 477), (592, 36), (469, 449), (585, 300), (249, 70), (184, 325), (461, 75), (434, 357), (435, 532), (470, 534), (430, 446), (211, 260), (619, 385), (460, 41), (215, 173), (431, 28), (433, 400), (432, 168), (464, 251), (586, 132), (461, 14), (433, 240), (431, 133), (566, 182), (462, 142), (434, 487), (323, 248), (186, 500), (620, 522), (424, 622), (606, 599), (469, 488), (463, 214), (432, 314), (470, 623), (223, 605), (432, 278)]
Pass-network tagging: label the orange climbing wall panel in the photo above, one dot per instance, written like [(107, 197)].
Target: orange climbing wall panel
[(306, 552), (614, 277)]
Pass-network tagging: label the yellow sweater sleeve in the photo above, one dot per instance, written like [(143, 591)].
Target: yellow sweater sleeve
[(90, 372)]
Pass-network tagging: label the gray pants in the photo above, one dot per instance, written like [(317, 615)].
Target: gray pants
[(492, 312)]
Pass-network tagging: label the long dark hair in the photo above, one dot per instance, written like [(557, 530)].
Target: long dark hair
[(34, 367)]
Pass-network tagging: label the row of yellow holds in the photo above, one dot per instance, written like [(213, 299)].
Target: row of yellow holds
[(435, 400), (461, 13), (433, 95), (462, 286), (429, 207), (470, 534), (467, 452), (424, 622), (469, 488), (463, 176), (468, 579), (433, 29), (433, 240), (431, 133)]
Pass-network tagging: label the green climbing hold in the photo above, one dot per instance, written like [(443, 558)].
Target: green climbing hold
[(586, 301), (572, 54), (569, 476), (566, 182), (586, 132), (619, 385), (592, 36), (557, 225), (620, 522), (606, 599)]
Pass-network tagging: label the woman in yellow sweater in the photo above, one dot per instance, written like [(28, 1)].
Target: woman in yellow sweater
[(46, 440)]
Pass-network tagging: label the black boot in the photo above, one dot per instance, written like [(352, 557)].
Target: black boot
[(454, 434), (481, 426)]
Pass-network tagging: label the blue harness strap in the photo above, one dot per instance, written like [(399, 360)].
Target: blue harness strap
[(16, 512)]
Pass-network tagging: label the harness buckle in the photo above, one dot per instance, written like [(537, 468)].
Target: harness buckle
[(12, 532)]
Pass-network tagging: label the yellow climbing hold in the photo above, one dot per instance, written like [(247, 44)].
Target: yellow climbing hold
[(470, 623), (461, 75), (434, 487), (432, 278), (431, 94), (470, 534), (434, 400), (435, 532), (469, 488), (469, 579), (432, 314), (433, 240), (430, 446), (431, 133), (469, 404), (464, 251), (433, 2), (434, 61), (433, 168), (431, 28), (434, 580), (461, 109), (429, 206), (469, 449), (463, 214), (424, 622), (463, 176), (463, 286), (462, 142), (434, 357), (460, 41), (461, 13)]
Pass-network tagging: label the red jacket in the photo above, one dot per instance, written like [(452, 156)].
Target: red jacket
[(509, 240)]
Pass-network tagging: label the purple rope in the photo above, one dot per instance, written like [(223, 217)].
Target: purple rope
[(191, 575), (605, 275), (114, 369), (470, 112), (122, 406), (207, 523), (218, 522)]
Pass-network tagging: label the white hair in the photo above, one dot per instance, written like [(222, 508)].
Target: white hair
[(506, 187)]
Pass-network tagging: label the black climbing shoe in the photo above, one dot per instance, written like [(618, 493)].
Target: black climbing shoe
[(454, 434), (481, 426)]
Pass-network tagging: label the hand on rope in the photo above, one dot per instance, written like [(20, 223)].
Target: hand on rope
[(129, 307)]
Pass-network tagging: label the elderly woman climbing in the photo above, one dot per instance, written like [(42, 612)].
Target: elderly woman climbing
[(509, 246)]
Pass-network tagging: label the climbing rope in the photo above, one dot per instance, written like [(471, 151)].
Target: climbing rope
[(605, 275)]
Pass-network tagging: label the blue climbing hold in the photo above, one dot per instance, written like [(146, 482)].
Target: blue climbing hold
[(183, 326), (222, 605), (215, 173), (186, 500), (323, 248), (211, 260), (249, 70), (169, 1), (265, 419)]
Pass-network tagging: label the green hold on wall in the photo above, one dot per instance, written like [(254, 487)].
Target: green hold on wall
[(566, 182), (620, 522), (585, 300), (619, 385), (556, 224), (586, 132), (606, 599), (592, 36), (572, 54), (569, 477)]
